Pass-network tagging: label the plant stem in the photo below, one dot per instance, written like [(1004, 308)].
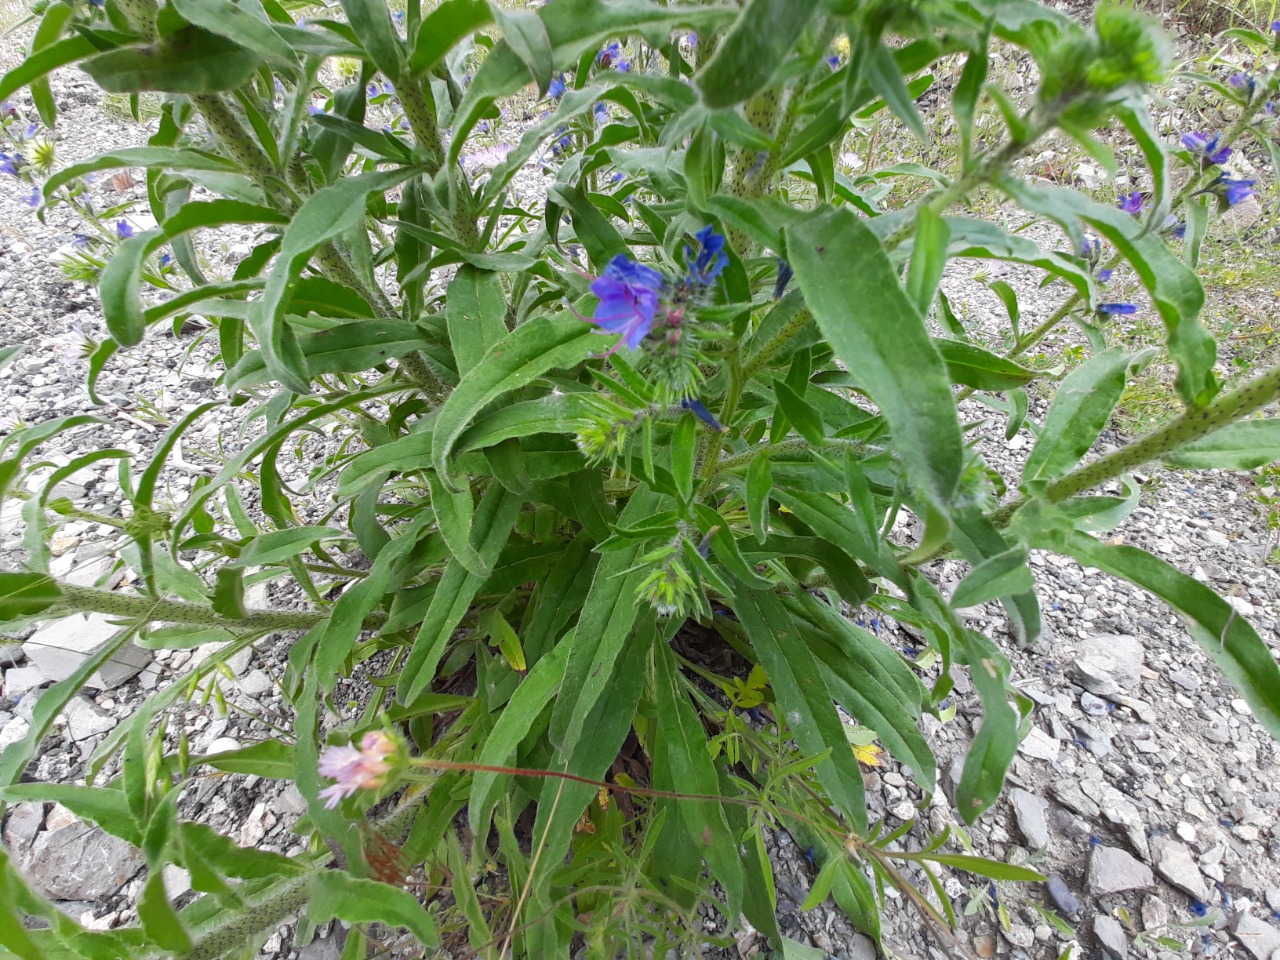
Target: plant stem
[(1190, 426), (793, 446), (137, 607)]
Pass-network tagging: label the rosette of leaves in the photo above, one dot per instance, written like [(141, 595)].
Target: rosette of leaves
[(515, 493)]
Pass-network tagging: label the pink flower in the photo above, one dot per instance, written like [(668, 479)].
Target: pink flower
[(356, 768)]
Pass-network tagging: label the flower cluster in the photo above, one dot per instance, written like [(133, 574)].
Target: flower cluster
[(356, 768), (1206, 148), (1132, 203)]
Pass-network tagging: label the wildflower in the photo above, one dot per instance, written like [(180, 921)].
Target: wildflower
[(1275, 26), (1117, 309), (1206, 147), (7, 109), (608, 55), (555, 90), (711, 258), (785, 273), (123, 230), (1234, 191), (80, 240), (833, 62), (601, 111), (165, 260), (692, 40), (33, 201), (699, 410), (8, 164), (1179, 231), (1091, 248), (356, 768), (1243, 82), (1131, 203), (628, 294), (1104, 275), (486, 158), (314, 111), (623, 66), (32, 130)]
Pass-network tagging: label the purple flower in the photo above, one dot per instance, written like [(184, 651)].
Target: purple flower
[(33, 201), (356, 768), (32, 130), (314, 111), (628, 293), (1131, 203), (1275, 26), (1117, 309), (1206, 147), (123, 230), (1234, 190), (1179, 231), (711, 258), (623, 66), (1104, 275), (7, 109), (7, 165), (833, 62), (80, 240), (1091, 248), (555, 90), (702, 413), (601, 111), (1243, 82), (785, 273), (608, 55)]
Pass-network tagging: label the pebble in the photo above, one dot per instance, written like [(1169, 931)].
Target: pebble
[(86, 719), (256, 683), (1111, 870), (72, 860), (222, 745), (1093, 706), (1110, 935), (1174, 862), (1155, 913), (1260, 938), (1039, 745), (59, 649), (1031, 811)]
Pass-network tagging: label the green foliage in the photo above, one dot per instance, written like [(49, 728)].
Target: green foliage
[(612, 574)]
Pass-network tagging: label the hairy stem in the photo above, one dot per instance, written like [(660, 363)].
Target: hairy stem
[(136, 607)]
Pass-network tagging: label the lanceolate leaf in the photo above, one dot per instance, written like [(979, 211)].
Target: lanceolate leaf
[(853, 291), (190, 60), (1229, 640), (752, 50), (335, 893), (1243, 445)]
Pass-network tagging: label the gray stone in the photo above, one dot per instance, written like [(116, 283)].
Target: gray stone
[(325, 948), (11, 653), (1123, 813), (1273, 898), (177, 881), (1260, 938), (1155, 914), (1112, 870), (18, 680), (1187, 681), (91, 572), (23, 824), (1093, 706), (1088, 672), (256, 683), (1174, 862), (1111, 937), (1031, 813), (1069, 793), (85, 719), (861, 947), (61, 647), (222, 745), (1068, 903), (1020, 936), (1118, 655), (1039, 745), (75, 861)]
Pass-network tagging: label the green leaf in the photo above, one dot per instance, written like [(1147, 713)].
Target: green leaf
[(759, 486), (514, 722), (804, 702), (335, 893), (268, 758), (802, 416), (680, 745), (852, 289), (454, 519), (26, 594), (161, 922), (345, 348), (928, 258), (684, 454), (190, 61), (528, 352), (327, 214), (753, 49), (1081, 408), (981, 369), (43, 62), (987, 868), (1004, 575), (101, 805), (235, 22), (525, 33), (51, 24), (1243, 445), (280, 545), (996, 742), (444, 28), (1228, 639), (161, 158), (371, 22), (476, 310), (885, 77)]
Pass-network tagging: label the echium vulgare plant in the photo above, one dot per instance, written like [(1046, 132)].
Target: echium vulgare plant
[(625, 458)]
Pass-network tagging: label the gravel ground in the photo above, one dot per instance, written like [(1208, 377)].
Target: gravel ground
[(1143, 786)]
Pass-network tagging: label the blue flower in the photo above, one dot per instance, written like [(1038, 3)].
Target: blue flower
[(7, 109), (628, 294), (623, 66), (1117, 309), (315, 111), (1091, 248), (165, 260), (785, 273), (711, 258), (1243, 82), (608, 55), (1104, 275), (33, 201), (555, 90), (833, 62), (1180, 231), (7, 165), (1234, 190), (32, 130), (1275, 26), (123, 230), (1131, 203), (80, 240), (702, 413), (601, 111), (617, 177), (1206, 147)]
